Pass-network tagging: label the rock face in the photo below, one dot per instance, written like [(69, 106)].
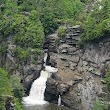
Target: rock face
[(27, 70), (79, 70)]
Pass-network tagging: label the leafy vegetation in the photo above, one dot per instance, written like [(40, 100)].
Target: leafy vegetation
[(98, 105), (97, 23), (5, 86), (18, 89), (7, 89), (107, 79), (61, 31), (21, 54)]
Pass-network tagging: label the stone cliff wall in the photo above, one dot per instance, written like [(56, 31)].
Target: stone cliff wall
[(27, 70), (80, 71)]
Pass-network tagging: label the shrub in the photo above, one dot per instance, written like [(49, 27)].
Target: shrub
[(61, 31), (18, 88), (98, 105), (21, 54), (5, 87), (18, 105), (107, 79)]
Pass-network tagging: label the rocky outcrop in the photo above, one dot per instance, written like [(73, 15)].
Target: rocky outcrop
[(27, 70), (80, 71)]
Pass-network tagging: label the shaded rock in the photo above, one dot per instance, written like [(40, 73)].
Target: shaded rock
[(62, 88), (9, 104), (71, 100), (51, 86)]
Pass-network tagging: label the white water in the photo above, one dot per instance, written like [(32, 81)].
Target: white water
[(59, 100), (36, 96)]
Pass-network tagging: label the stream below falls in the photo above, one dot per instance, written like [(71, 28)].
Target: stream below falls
[(46, 107)]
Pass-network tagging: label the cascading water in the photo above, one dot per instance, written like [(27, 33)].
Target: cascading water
[(36, 95), (59, 100)]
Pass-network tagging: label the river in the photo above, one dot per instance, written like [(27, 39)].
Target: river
[(46, 107)]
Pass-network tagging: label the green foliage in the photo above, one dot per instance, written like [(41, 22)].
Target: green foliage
[(27, 30), (8, 89), (5, 87), (18, 88), (2, 49), (2, 102), (49, 22), (21, 54), (97, 23), (98, 105), (61, 31), (53, 11), (18, 104), (107, 79)]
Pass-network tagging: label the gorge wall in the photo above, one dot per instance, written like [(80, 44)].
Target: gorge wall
[(79, 80), (27, 70)]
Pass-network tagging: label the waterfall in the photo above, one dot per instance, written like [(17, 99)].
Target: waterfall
[(59, 100), (36, 95)]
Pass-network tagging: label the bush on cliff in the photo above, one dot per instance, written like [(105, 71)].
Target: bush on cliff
[(21, 54), (99, 105), (61, 31), (107, 79), (6, 90)]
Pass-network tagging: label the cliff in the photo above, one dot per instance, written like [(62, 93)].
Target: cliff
[(79, 80), (26, 66)]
